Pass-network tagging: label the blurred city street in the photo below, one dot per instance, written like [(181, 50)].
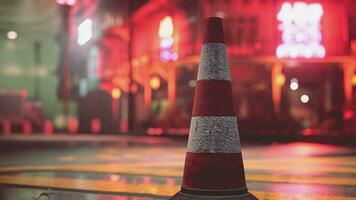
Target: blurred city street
[(127, 167), (213, 99)]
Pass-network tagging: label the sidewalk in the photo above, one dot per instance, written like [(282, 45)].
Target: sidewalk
[(65, 138)]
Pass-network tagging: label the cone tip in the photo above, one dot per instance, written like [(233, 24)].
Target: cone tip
[(213, 30)]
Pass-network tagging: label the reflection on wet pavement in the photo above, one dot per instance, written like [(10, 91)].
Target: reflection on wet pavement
[(281, 171)]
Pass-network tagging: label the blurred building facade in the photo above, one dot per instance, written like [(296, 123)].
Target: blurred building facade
[(28, 63), (289, 71)]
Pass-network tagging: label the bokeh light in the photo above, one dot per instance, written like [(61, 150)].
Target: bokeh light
[(155, 82), (116, 93), (12, 35), (304, 98), (294, 85)]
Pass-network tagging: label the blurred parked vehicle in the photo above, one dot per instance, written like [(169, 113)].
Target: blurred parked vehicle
[(16, 109)]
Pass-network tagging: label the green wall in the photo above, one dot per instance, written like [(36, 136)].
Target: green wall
[(34, 20)]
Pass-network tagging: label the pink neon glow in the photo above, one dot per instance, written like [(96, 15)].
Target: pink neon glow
[(300, 26), (66, 2), (167, 42), (166, 31)]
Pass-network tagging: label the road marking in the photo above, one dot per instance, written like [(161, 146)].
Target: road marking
[(301, 161), (332, 162), (294, 196), (100, 168), (138, 188), (67, 158), (119, 168), (301, 179), (300, 168), (90, 185), (115, 168), (107, 157)]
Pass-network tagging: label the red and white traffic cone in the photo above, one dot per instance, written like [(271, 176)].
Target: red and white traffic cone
[(213, 165)]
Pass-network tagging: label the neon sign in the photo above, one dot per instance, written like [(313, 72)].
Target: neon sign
[(165, 32), (300, 26), (66, 2)]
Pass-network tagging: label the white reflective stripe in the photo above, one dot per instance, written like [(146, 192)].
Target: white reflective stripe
[(214, 134), (213, 62)]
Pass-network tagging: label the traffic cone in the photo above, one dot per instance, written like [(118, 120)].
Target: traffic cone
[(213, 164)]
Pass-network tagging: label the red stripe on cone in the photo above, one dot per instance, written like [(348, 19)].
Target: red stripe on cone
[(213, 98), (213, 31), (213, 171)]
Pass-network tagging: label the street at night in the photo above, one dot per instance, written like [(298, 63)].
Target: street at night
[(178, 99), (112, 167)]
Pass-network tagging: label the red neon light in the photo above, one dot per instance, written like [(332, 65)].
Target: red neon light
[(48, 127), (73, 125), (7, 127), (95, 125), (155, 131), (26, 128)]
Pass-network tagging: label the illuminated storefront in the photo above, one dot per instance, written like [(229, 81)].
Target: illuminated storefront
[(286, 66)]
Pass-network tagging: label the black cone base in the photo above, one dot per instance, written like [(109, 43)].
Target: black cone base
[(182, 196)]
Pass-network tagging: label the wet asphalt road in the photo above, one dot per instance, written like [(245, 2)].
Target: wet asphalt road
[(122, 168)]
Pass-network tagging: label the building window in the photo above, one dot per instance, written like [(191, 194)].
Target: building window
[(242, 30)]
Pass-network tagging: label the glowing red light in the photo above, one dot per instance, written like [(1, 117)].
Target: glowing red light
[(134, 88), (301, 34), (95, 125), (26, 128), (48, 127), (73, 125), (348, 115), (154, 131), (6, 127), (308, 131), (23, 93), (123, 126)]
